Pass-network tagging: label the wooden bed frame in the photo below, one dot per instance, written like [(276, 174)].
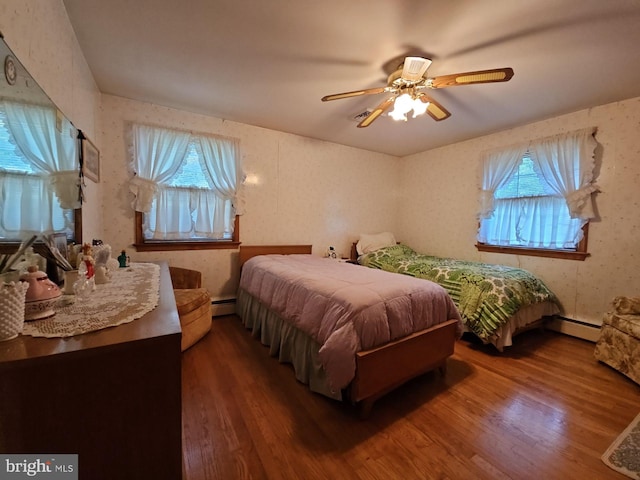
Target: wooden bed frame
[(382, 369)]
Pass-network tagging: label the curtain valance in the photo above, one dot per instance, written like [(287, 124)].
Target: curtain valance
[(159, 153), (565, 161)]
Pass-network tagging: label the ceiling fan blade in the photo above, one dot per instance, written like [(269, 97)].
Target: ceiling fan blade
[(356, 93), (379, 110), (469, 78), (435, 110)]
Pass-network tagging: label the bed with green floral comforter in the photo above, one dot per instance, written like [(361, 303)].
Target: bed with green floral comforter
[(486, 295)]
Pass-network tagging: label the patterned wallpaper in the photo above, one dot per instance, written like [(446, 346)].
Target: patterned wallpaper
[(301, 190), (448, 226)]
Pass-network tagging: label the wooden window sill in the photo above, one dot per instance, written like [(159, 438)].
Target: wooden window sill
[(175, 246), (165, 246), (533, 252)]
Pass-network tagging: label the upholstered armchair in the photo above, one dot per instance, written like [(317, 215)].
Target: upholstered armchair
[(619, 343), (194, 305)]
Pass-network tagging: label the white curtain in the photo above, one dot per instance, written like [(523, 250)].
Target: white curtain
[(535, 222), (566, 163), (48, 142), (158, 155), (174, 209), (179, 212), (220, 167), (215, 209), (502, 225), (497, 168), (29, 206), (546, 224), (170, 217), (214, 215)]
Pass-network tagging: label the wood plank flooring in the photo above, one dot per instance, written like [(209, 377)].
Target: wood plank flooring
[(544, 409)]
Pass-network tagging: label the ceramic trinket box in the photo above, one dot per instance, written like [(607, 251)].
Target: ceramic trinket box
[(42, 295)]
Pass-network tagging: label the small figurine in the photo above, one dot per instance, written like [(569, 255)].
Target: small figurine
[(87, 259), (102, 275), (123, 259)]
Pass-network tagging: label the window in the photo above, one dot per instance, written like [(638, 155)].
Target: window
[(186, 190), (29, 154), (536, 198)]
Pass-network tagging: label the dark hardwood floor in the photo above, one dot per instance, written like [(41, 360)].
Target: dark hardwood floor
[(544, 409)]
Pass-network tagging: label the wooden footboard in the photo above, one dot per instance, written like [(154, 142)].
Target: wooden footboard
[(384, 368)]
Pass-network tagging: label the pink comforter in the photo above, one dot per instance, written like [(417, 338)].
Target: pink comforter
[(346, 308)]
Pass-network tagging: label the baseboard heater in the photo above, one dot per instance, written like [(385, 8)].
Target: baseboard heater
[(224, 305), (575, 328)]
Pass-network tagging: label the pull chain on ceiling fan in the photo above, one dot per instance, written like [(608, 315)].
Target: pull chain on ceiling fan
[(407, 85)]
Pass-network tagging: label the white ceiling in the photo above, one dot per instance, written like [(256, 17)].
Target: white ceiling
[(268, 62)]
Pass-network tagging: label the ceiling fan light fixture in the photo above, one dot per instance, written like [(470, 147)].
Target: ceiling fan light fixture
[(419, 107), (397, 116), (403, 103), (406, 102), (401, 106)]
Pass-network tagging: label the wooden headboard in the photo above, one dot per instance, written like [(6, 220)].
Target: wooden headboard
[(248, 251), (353, 255)]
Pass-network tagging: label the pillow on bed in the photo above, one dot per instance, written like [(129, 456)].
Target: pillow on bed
[(370, 242)]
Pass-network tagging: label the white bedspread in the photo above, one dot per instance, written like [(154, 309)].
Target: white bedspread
[(346, 308)]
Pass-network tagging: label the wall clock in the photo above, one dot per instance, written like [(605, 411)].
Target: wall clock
[(10, 71)]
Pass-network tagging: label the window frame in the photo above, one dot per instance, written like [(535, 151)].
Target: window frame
[(10, 246), (580, 253), (143, 245)]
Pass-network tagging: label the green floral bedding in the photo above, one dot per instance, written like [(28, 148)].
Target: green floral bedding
[(486, 295)]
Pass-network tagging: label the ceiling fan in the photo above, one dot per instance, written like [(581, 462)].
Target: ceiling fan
[(408, 84)]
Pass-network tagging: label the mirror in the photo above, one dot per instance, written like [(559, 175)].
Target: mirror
[(39, 160), (16, 83)]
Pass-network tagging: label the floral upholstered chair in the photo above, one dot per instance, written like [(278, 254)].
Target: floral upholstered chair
[(619, 343)]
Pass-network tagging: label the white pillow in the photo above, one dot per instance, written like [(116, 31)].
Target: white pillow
[(370, 242)]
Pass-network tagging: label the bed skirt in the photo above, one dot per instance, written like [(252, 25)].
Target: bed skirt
[(286, 342), (523, 318)]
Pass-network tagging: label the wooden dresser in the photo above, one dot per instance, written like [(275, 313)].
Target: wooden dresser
[(112, 396)]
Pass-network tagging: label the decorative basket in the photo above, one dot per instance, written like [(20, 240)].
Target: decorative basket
[(12, 302)]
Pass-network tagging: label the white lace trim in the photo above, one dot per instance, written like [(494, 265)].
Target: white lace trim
[(144, 191), (487, 204), (132, 292), (66, 184)]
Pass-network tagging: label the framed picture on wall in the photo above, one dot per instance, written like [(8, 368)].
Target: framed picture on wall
[(90, 160)]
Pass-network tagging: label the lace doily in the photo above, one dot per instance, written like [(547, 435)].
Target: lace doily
[(132, 292)]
